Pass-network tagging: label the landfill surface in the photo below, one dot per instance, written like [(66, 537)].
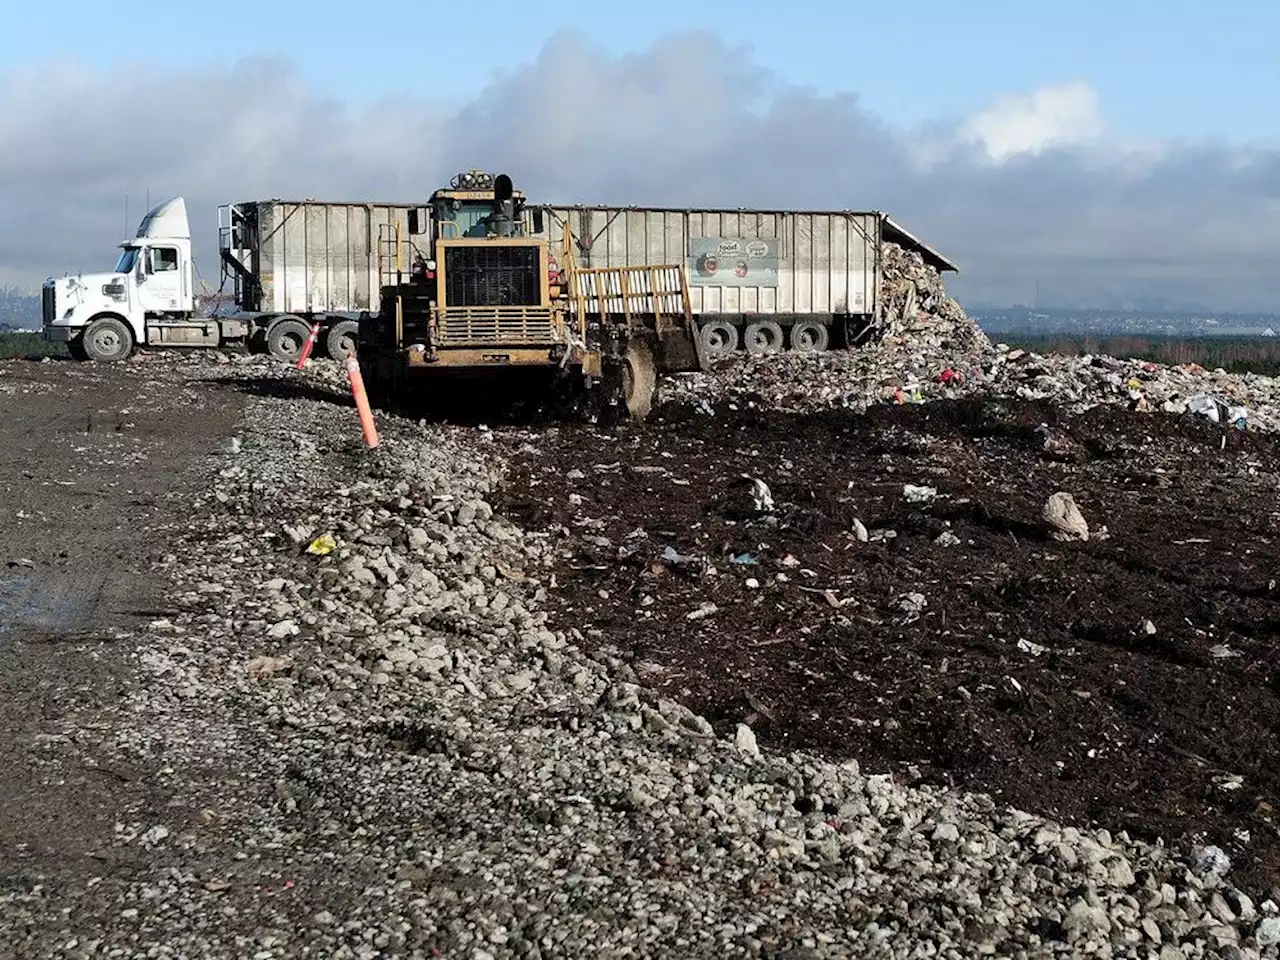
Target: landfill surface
[(931, 649)]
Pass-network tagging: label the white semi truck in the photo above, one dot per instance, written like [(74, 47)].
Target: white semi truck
[(284, 274)]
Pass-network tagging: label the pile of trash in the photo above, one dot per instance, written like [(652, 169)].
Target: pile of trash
[(926, 347)]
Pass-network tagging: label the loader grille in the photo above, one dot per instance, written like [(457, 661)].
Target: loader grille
[(492, 276), (490, 326)]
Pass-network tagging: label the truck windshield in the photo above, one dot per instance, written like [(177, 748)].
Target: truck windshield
[(128, 257)]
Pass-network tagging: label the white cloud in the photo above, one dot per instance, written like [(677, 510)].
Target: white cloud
[(1035, 187), (1052, 116)]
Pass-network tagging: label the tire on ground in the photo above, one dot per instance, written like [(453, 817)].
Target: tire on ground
[(763, 336), (107, 340), (810, 336), (639, 379), (718, 337), (286, 337), (343, 338)]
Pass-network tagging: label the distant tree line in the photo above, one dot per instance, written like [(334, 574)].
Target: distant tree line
[(1233, 354)]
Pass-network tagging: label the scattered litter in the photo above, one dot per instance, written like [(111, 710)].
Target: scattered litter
[(1221, 651), (1209, 859), (1035, 649), (911, 604), (704, 610), (1064, 518), (323, 545), (915, 494)]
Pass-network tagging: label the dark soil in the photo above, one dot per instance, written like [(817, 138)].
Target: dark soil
[(99, 466), (1029, 674)]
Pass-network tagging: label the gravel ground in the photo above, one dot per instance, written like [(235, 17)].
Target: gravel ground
[(388, 747)]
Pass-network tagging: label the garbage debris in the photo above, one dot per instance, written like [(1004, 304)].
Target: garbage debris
[(323, 545), (1064, 519), (911, 605), (914, 494)]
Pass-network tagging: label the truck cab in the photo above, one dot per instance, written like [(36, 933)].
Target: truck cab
[(103, 316)]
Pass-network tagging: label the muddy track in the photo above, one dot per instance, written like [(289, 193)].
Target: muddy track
[(97, 462)]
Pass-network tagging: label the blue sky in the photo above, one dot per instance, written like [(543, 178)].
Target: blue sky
[(1170, 69), (1120, 153)]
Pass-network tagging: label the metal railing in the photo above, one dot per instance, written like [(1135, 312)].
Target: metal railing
[(659, 291)]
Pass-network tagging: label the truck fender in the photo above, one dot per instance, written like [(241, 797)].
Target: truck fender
[(137, 327)]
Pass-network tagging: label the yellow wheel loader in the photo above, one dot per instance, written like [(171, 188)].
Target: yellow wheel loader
[(480, 301)]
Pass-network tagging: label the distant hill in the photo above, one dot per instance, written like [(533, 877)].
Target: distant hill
[(19, 310), (1029, 322)]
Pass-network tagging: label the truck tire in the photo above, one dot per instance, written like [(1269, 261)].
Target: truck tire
[(286, 337), (810, 336), (107, 340), (343, 338), (718, 337), (763, 336)]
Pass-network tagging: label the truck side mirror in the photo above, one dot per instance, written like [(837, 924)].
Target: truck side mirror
[(537, 220), (415, 221)]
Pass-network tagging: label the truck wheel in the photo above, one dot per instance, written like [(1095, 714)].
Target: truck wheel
[(809, 336), (718, 337), (639, 379), (285, 339), (763, 336), (343, 339), (107, 340)]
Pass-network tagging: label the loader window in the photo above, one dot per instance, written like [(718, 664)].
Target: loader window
[(163, 259)]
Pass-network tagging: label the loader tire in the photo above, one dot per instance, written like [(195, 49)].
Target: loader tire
[(107, 340), (639, 379), (285, 339), (343, 338)]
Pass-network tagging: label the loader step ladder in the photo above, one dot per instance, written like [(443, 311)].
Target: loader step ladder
[(391, 264)]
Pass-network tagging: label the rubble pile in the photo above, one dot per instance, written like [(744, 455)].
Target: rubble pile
[(925, 347)]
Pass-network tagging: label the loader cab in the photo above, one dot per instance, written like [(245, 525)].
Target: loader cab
[(478, 205)]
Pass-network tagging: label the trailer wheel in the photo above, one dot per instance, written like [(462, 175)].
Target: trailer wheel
[(763, 336), (343, 339), (639, 379), (285, 339), (810, 336), (718, 337), (107, 340)]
